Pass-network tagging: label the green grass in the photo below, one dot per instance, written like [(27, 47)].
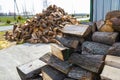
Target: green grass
[(3, 20)]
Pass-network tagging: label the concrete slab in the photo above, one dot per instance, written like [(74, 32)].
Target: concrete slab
[(17, 55)]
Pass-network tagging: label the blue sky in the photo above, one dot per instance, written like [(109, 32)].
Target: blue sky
[(36, 6)]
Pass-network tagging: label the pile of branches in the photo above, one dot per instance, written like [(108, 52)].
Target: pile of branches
[(42, 28)]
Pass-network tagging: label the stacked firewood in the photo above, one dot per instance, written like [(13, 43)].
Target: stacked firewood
[(43, 28), (87, 54)]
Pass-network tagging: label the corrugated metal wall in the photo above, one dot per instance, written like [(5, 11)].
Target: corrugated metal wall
[(101, 7)]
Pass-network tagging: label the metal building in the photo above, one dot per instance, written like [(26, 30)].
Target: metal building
[(99, 8)]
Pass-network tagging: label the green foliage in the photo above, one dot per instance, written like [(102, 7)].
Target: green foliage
[(8, 21), (19, 18)]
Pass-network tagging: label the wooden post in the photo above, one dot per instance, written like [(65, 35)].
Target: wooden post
[(105, 37), (95, 48), (30, 70), (93, 63), (56, 63), (49, 73)]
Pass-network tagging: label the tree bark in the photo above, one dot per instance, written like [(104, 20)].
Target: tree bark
[(105, 37), (93, 63), (95, 48)]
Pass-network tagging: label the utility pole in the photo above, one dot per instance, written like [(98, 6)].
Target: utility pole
[(45, 4), (15, 6)]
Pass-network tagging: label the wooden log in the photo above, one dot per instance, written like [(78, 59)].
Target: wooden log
[(107, 27), (61, 52), (80, 74), (69, 79), (105, 37), (95, 48), (49, 73), (30, 70), (99, 24), (115, 49), (68, 41), (93, 63), (77, 30), (112, 61), (110, 73), (63, 66)]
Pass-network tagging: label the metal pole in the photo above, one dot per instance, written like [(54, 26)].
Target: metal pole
[(14, 11)]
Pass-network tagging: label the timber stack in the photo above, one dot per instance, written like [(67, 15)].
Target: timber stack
[(87, 52)]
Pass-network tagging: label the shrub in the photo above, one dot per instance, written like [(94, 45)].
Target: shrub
[(8, 21), (19, 17)]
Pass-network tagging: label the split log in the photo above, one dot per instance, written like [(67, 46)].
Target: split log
[(70, 41), (110, 73), (115, 49), (112, 61), (105, 37), (30, 70), (107, 27), (95, 48), (80, 74), (61, 52), (112, 14), (99, 24), (49, 73), (69, 79), (77, 30), (93, 63), (56, 63)]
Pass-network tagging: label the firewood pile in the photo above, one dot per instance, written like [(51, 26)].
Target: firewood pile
[(90, 52), (42, 28)]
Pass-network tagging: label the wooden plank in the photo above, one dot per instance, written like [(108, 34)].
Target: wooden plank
[(95, 48), (63, 66), (81, 30), (61, 52), (105, 37), (115, 49), (110, 73), (113, 61), (31, 69), (93, 63), (80, 74), (49, 73)]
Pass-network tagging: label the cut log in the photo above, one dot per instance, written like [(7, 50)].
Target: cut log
[(61, 52), (113, 61), (77, 30), (107, 27), (99, 24), (105, 37), (95, 48), (110, 73), (80, 74), (49, 73), (56, 63), (30, 70), (71, 42), (93, 63), (69, 79), (115, 49)]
